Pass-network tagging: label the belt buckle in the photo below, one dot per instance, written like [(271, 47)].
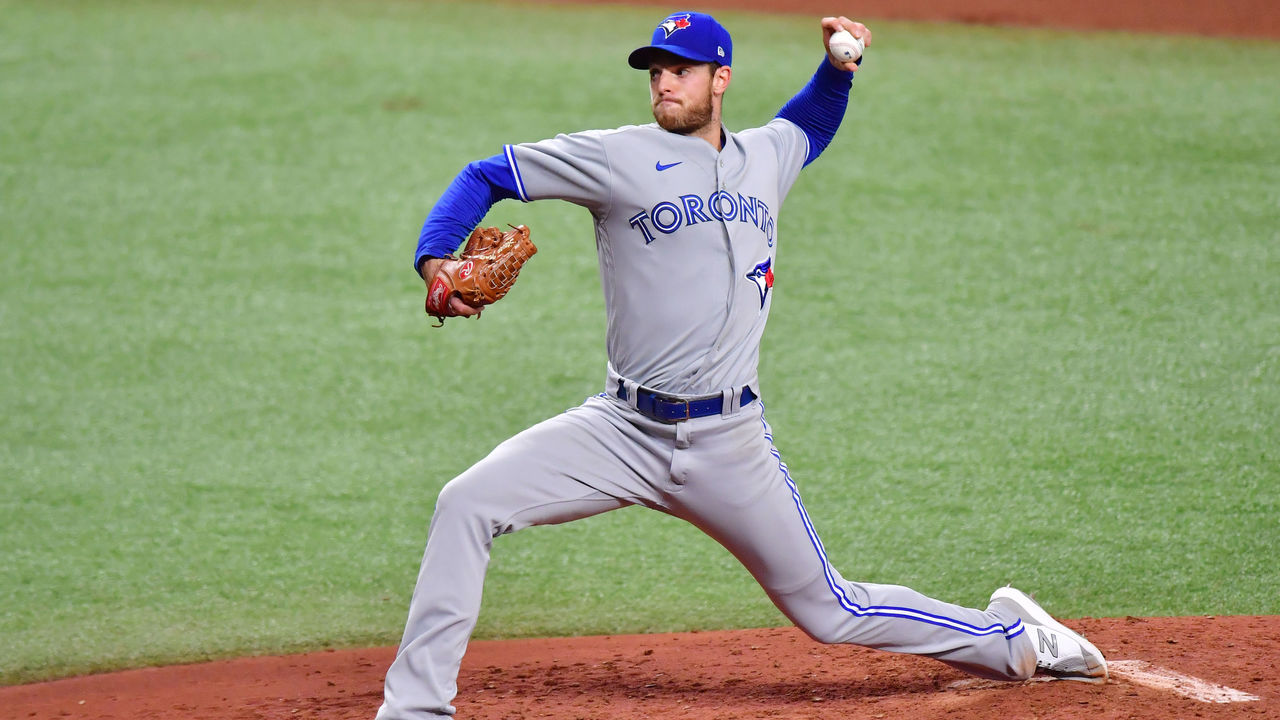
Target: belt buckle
[(685, 403), (669, 401)]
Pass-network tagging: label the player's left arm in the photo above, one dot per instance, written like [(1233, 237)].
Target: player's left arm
[(819, 107), (480, 186)]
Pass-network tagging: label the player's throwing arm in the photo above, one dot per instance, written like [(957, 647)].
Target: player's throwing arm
[(846, 40)]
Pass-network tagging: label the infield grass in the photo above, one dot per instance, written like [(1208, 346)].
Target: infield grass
[(1026, 326)]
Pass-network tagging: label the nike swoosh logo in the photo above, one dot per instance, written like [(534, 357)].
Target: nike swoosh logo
[(660, 167)]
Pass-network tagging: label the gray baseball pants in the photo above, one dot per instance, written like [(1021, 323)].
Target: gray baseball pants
[(720, 473)]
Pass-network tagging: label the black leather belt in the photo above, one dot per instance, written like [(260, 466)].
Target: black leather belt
[(669, 409)]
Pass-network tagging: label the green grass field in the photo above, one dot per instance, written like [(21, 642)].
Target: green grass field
[(1026, 326)]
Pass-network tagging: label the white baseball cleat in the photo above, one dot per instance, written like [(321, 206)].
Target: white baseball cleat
[(1060, 652)]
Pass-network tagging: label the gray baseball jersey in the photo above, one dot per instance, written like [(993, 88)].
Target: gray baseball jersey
[(687, 239)]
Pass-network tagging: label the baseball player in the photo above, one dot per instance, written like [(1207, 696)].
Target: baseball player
[(686, 223)]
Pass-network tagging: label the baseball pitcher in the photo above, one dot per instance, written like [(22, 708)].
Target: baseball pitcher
[(686, 215)]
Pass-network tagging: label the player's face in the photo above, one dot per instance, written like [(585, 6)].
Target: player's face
[(681, 94)]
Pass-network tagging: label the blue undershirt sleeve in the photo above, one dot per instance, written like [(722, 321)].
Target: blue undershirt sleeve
[(463, 204), (819, 107)]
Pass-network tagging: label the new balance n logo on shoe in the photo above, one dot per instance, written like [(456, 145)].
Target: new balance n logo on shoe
[(1048, 642)]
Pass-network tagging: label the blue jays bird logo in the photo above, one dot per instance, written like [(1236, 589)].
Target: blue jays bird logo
[(674, 23), (762, 276)]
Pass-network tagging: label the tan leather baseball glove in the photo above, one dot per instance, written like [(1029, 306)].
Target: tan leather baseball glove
[(483, 273)]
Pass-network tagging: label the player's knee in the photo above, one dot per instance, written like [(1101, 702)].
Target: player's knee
[(825, 633), (469, 502), (458, 498), (815, 618)]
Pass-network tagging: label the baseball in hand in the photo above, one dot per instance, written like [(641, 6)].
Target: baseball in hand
[(845, 47)]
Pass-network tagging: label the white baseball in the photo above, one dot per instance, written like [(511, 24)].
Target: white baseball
[(845, 47)]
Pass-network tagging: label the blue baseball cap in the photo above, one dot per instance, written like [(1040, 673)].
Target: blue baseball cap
[(691, 35)]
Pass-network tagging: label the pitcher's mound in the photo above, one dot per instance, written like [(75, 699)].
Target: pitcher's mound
[(1167, 668)]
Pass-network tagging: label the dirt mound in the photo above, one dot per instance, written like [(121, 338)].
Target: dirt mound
[(1166, 668)]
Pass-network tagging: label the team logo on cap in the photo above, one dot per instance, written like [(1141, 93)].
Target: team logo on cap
[(762, 276), (674, 23)]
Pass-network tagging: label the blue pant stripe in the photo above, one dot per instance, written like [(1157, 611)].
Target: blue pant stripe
[(876, 611)]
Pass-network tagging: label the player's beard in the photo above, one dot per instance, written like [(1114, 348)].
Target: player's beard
[(684, 119)]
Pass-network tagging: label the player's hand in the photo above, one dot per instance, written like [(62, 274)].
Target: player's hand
[(832, 25), (429, 269)]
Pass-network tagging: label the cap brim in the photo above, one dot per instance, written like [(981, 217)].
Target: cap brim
[(640, 57)]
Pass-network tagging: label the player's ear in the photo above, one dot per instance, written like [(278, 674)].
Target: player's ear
[(720, 78)]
